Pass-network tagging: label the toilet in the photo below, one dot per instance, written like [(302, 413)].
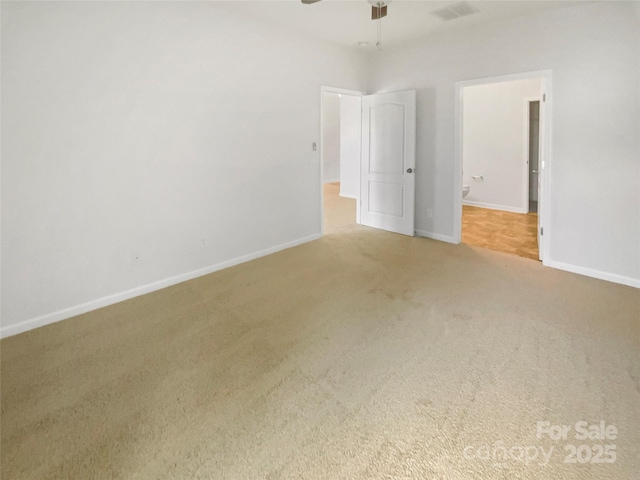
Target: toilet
[(465, 190)]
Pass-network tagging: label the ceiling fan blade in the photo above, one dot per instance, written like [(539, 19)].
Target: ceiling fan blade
[(309, 2), (378, 12)]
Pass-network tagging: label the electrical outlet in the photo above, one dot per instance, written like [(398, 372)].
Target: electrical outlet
[(429, 213)]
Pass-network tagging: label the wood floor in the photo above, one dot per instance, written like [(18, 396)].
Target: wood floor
[(507, 232)]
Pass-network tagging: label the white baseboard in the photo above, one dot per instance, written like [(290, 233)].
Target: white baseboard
[(491, 206), (346, 195), (59, 315), (436, 236), (609, 277), (589, 272), (331, 181)]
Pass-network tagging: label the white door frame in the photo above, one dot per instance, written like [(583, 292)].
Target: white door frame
[(527, 128), (323, 90), (545, 160)]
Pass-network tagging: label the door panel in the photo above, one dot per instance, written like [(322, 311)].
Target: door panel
[(388, 161), (386, 138), (386, 198)]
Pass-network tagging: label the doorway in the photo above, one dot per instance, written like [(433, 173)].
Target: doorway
[(340, 126), (377, 156), (502, 138), (534, 149)]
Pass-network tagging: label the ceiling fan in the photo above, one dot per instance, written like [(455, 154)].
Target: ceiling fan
[(378, 11), (378, 8)]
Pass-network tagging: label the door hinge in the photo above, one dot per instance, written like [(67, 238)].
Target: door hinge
[(541, 230)]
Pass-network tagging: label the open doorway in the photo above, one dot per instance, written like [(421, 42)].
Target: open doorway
[(340, 138), (534, 153), (501, 147), (377, 158)]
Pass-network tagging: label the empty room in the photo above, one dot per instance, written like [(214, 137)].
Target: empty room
[(189, 291)]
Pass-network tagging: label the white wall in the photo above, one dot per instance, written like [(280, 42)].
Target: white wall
[(493, 144), (350, 137), (594, 53), (176, 131), (330, 137)]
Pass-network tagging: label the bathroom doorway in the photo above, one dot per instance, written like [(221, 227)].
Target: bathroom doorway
[(534, 149), (501, 154)]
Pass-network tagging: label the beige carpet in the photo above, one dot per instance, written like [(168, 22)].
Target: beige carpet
[(339, 212), (363, 355)]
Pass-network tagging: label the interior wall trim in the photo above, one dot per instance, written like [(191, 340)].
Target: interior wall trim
[(491, 206), (590, 272), (436, 236)]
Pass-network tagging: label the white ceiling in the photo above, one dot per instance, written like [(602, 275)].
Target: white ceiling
[(349, 22)]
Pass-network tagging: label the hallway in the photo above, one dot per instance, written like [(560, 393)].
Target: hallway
[(339, 212)]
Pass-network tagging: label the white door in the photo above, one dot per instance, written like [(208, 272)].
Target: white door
[(387, 181)]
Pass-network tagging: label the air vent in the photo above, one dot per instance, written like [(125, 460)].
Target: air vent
[(456, 10)]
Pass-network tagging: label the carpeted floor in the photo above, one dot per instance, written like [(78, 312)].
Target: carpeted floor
[(363, 355), (339, 212)]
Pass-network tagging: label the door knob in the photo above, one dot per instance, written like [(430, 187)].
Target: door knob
[(409, 170), (534, 171)]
